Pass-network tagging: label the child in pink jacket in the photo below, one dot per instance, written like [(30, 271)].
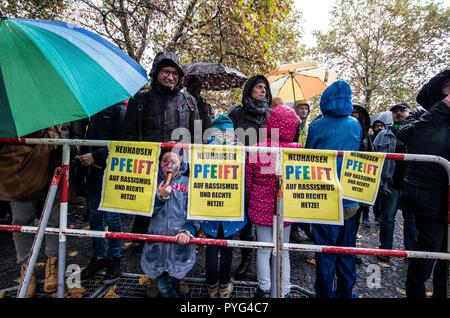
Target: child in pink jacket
[(282, 129)]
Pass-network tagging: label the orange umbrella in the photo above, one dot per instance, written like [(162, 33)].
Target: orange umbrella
[(298, 81)]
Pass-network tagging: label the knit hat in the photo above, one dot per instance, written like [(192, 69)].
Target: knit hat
[(223, 123)]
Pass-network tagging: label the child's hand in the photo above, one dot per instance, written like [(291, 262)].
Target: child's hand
[(183, 238), (164, 190)]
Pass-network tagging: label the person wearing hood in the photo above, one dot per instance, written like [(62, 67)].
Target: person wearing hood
[(167, 263), (391, 183), (248, 119), (377, 126), (152, 115), (336, 130), (218, 269), (425, 186), (302, 109), (260, 188)]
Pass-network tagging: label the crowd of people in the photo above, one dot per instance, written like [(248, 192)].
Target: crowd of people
[(155, 115)]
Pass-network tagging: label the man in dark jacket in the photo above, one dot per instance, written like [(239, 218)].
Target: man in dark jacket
[(105, 125), (425, 187), (247, 119), (152, 115)]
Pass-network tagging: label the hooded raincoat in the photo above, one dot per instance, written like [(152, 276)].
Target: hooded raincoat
[(169, 218)]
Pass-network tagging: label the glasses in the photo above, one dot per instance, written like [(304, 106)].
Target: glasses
[(166, 73)]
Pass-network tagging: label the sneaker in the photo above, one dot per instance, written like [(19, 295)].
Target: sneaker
[(226, 290), (183, 289), (259, 293), (213, 291), (95, 266), (113, 271), (152, 291)]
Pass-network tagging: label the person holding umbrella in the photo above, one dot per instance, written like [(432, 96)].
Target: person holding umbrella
[(194, 87), (247, 119)]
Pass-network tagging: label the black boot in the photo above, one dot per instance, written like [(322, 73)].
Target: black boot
[(95, 266), (113, 271), (244, 266)]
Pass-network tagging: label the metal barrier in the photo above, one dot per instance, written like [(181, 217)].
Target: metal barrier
[(277, 245)]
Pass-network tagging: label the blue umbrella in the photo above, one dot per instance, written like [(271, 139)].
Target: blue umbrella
[(54, 72)]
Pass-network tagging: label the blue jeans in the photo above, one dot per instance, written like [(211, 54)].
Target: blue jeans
[(97, 221), (335, 273), (387, 225), (168, 286)]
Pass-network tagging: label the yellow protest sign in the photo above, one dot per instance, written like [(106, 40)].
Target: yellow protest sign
[(311, 189), (129, 181), (360, 177), (216, 183)]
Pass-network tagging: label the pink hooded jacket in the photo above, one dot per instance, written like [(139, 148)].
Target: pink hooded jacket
[(260, 179)]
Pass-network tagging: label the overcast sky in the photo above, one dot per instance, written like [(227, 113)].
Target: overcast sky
[(316, 14)]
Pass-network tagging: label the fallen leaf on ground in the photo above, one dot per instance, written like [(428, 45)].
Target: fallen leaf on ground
[(72, 226), (401, 291), (384, 264), (73, 253), (311, 261), (98, 280), (112, 292), (40, 265), (429, 293), (143, 280), (2, 294), (76, 292), (86, 227), (17, 280), (359, 236)]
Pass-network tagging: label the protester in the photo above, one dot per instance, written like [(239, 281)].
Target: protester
[(152, 115), (425, 188), (218, 259), (260, 187), (105, 125), (302, 109), (168, 263), (26, 194), (336, 130), (250, 117), (391, 181)]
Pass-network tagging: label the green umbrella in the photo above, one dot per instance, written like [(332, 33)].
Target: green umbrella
[(53, 72)]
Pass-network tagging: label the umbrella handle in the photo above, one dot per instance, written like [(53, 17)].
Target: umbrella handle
[(292, 81)]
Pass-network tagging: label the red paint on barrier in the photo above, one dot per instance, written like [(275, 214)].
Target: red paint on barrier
[(395, 156), (13, 141), (10, 228), (350, 250), (65, 184), (162, 238)]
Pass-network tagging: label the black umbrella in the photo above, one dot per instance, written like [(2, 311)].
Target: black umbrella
[(214, 76)]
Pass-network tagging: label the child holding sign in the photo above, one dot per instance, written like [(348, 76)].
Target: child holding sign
[(167, 263), (218, 269), (282, 129)]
